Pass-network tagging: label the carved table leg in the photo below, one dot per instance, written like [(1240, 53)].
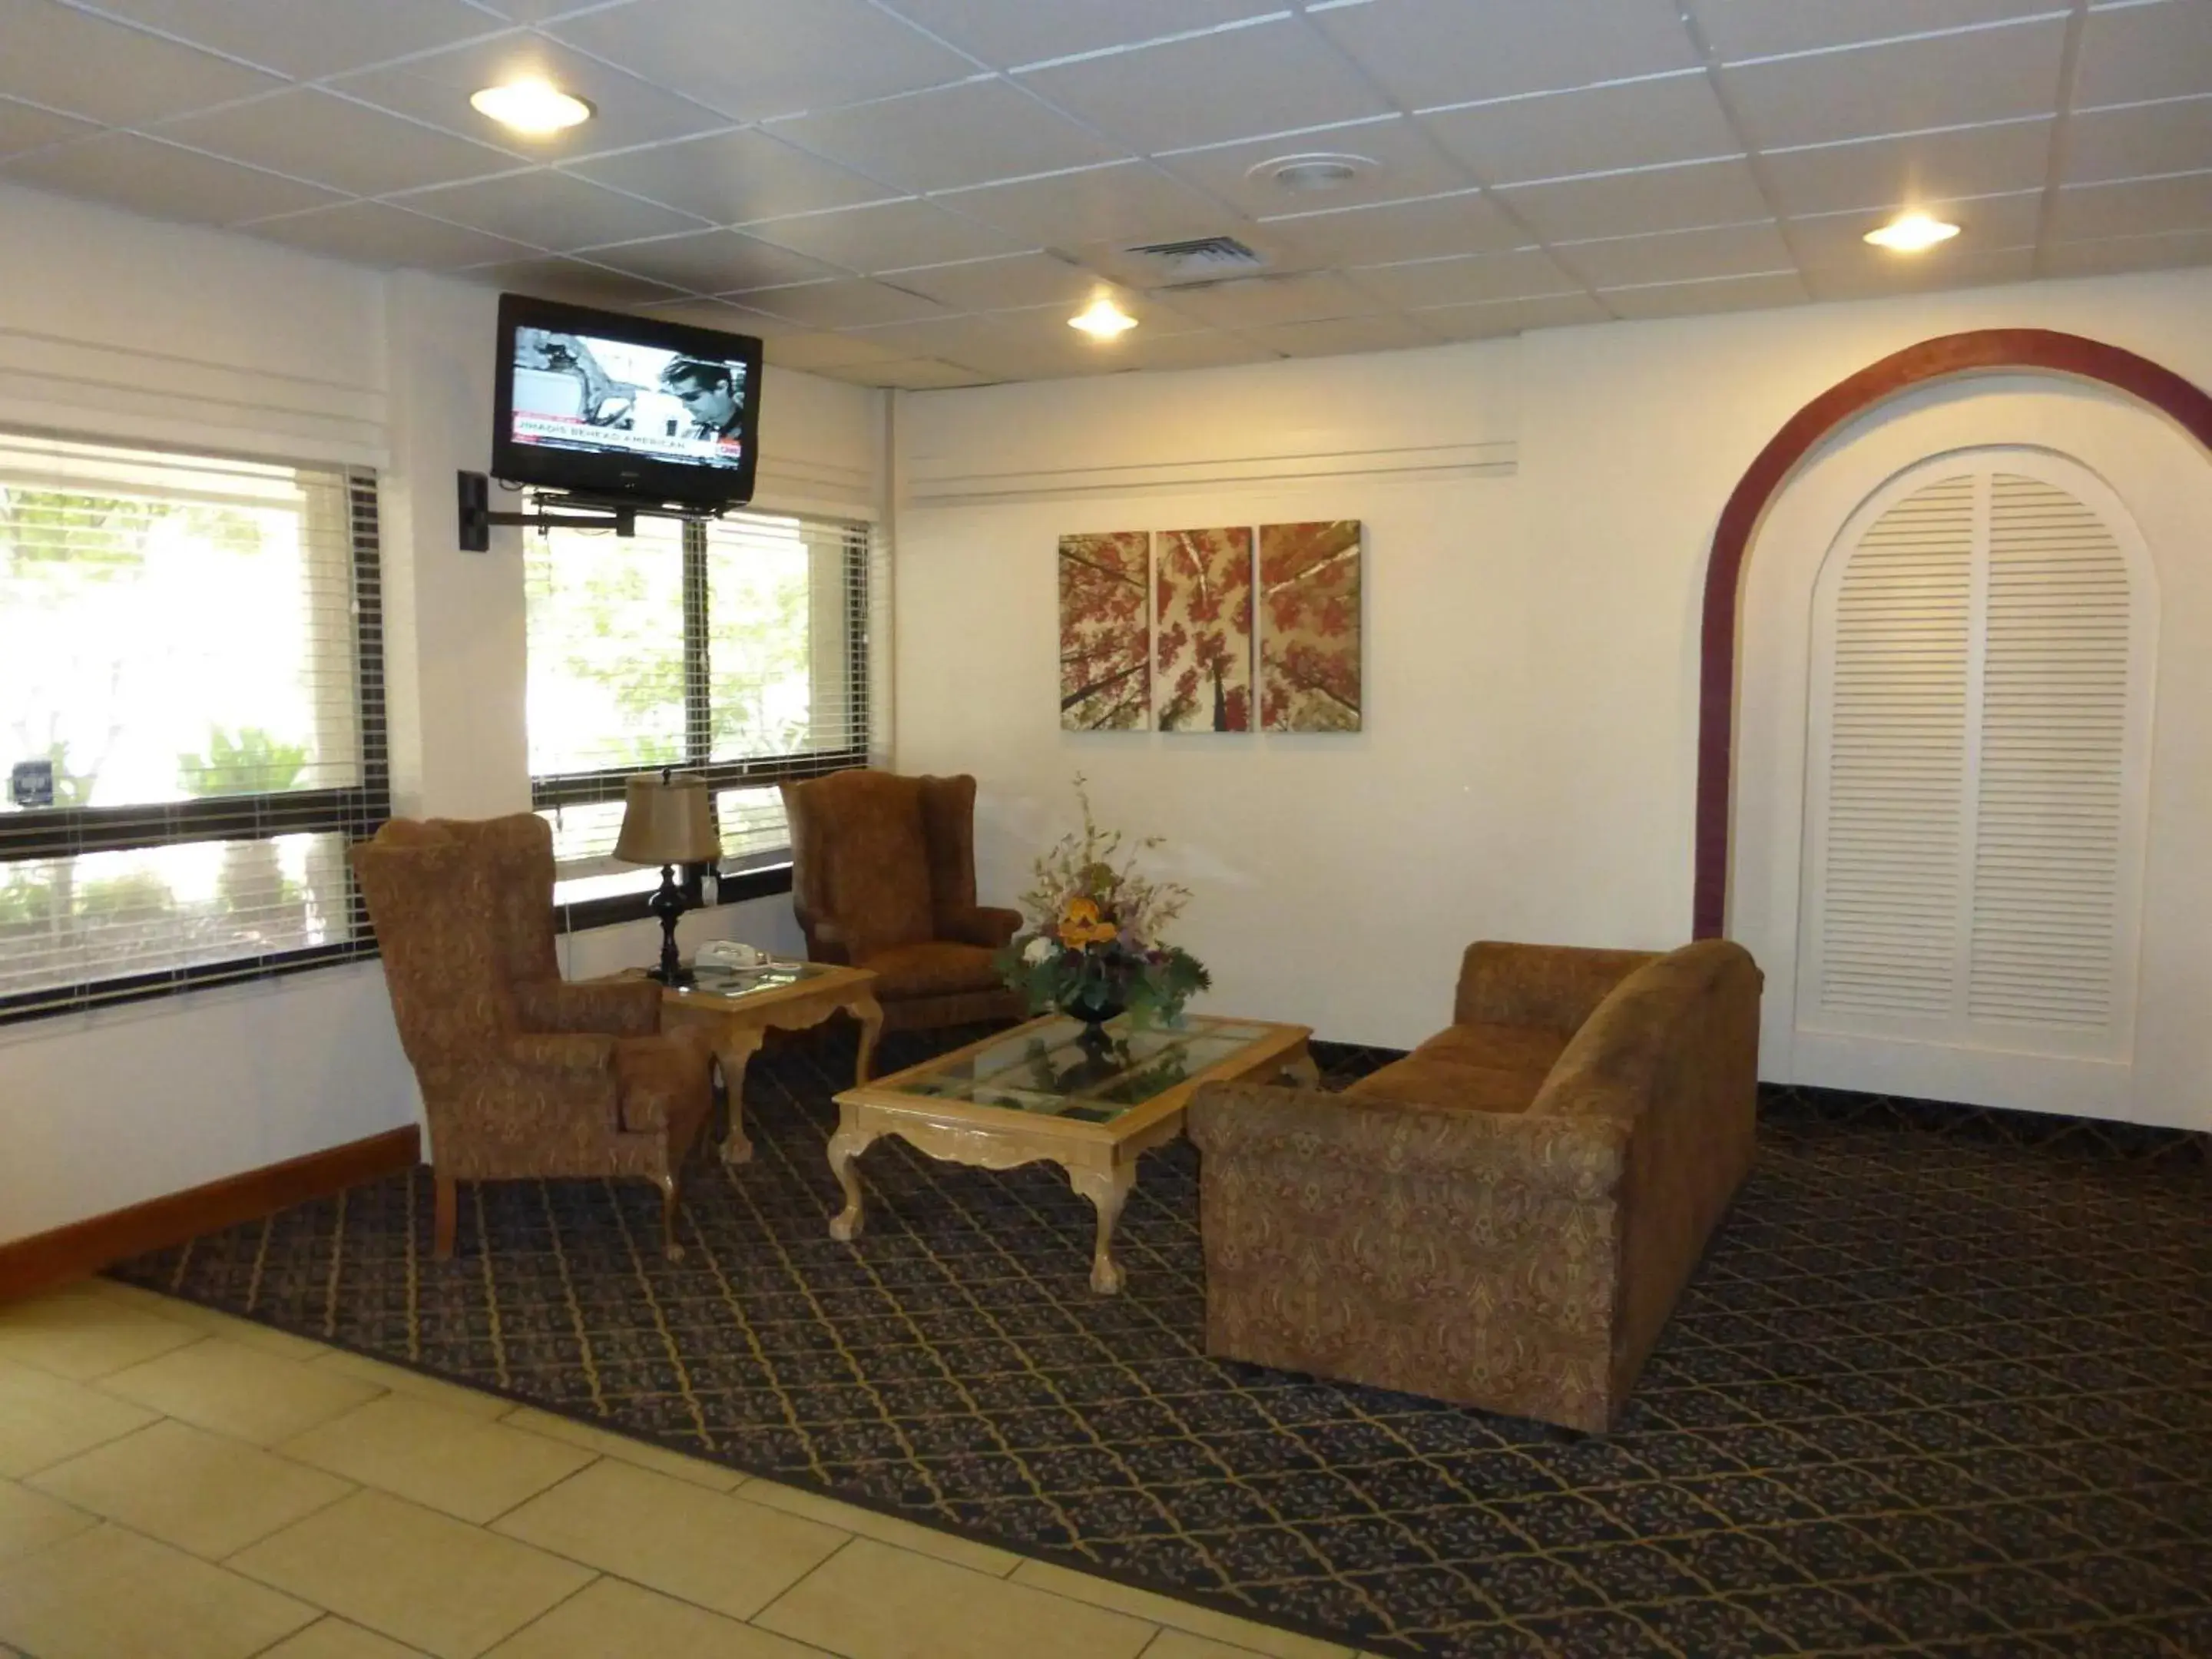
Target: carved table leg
[(1299, 1068), (737, 1048), (1107, 1189), (845, 1148), (870, 1013)]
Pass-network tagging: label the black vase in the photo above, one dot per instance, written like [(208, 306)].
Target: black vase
[(1094, 1016)]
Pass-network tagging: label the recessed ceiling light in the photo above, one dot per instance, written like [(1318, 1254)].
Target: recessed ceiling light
[(1912, 233), (1310, 174), (1104, 320), (531, 106)]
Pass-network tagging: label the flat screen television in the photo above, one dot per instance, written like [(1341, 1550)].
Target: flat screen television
[(601, 404)]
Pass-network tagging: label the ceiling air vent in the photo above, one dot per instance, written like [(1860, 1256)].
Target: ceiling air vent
[(1202, 258)]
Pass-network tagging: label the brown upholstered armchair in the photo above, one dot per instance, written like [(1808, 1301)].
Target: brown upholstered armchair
[(884, 877), (522, 1073)]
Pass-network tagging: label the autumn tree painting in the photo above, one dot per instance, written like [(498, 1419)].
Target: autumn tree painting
[(1202, 641), (1309, 640), (1104, 659)]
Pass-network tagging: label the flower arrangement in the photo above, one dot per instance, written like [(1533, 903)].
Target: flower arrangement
[(1093, 947)]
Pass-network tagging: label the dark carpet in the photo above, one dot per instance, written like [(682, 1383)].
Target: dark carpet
[(1943, 1387)]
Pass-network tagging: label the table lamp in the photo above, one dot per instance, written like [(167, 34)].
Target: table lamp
[(666, 820)]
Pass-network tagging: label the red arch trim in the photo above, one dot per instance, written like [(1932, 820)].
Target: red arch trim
[(1981, 351)]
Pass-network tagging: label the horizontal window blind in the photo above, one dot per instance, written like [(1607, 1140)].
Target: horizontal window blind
[(191, 720), (736, 649)]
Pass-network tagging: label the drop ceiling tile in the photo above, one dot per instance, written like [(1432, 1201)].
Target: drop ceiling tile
[(887, 236), (550, 209), (1429, 52), (374, 234), (158, 179), (571, 279), (1675, 117), (2125, 253), (1905, 86), (1407, 165), (2139, 141), (955, 339), (1986, 221), (1335, 337), (1254, 302), (722, 315), (1693, 298), (310, 41), (975, 133), (824, 352), (1199, 349), (1470, 279), (1963, 267), (1634, 203), (105, 71), (1127, 201), (1272, 77), (2138, 207), (1679, 256), (349, 146), (733, 178), (436, 87), (752, 59), (1764, 29), (25, 126), (2131, 53), (1899, 173), (917, 374), (844, 302), (1008, 34), (1490, 318), (1022, 279), (1467, 223), (713, 261)]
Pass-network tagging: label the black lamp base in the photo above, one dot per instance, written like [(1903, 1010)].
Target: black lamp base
[(668, 904)]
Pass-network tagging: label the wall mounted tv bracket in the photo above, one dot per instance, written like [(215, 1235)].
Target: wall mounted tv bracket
[(580, 511)]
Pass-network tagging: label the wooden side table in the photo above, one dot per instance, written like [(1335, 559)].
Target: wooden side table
[(742, 1014)]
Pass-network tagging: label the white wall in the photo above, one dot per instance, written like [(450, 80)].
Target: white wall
[(1529, 764), (118, 326)]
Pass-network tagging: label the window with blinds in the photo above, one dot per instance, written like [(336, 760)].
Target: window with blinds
[(191, 718), (1977, 778), (735, 649)]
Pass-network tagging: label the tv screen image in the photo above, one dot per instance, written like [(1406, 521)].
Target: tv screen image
[(617, 397), (607, 405)]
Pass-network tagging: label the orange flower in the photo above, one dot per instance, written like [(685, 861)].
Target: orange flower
[(1081, 924)]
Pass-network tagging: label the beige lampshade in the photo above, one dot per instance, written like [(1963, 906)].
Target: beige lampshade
[(665, 820)]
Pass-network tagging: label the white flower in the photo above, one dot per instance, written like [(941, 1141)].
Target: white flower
[(1037, 949)]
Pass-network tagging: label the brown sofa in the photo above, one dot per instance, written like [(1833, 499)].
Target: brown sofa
[(883, 876), (1504, 1217), (523, 1074)]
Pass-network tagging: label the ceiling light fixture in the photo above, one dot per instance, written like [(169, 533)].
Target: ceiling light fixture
[(535, 107), (1104, 320), (1912, 233), (1311, 174)]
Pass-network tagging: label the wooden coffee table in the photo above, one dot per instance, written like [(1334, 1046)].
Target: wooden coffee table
[(743, 1005), (1037, 1092)]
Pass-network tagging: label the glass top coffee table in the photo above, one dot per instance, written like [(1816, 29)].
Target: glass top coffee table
[(1039, 1091)]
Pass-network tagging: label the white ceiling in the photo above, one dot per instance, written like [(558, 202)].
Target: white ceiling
[(918, 192)]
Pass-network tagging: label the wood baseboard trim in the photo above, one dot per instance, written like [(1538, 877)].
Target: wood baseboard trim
[(47, 1260)]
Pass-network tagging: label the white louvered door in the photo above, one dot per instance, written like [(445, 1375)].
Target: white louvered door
[(1976, 773)]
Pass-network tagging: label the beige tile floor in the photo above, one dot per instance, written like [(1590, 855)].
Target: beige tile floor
[(179, 1483)]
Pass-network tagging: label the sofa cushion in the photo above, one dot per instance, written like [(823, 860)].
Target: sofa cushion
[(1496, 1048), (933, 969), (1423, 1082)]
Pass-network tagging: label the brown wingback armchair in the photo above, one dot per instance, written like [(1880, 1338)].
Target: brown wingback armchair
[(523, 1074), (884, 877)]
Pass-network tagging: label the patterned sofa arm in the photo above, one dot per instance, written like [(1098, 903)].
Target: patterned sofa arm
[(617, 1007), (1556, 987), (1576, 1158), (989, 926)]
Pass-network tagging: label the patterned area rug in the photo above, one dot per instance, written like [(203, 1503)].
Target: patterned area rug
[(1943, 1385)]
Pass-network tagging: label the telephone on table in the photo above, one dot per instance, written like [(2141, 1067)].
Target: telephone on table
[(731, 953)]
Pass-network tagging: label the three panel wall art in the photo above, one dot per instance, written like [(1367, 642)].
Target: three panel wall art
[(1156, 630)]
